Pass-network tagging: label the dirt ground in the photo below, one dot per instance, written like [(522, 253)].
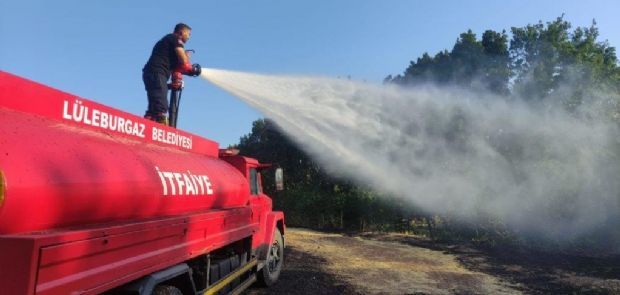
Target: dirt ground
[(327, 263)]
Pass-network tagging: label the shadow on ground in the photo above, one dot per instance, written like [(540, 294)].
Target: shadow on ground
[(546, 273), (303, 273), (532, 272)]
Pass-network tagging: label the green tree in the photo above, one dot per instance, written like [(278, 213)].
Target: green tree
[(467, 59), (546, 58), (471, 63), (496, 69)]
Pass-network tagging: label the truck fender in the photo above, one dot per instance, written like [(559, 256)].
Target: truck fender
[(273, 218), (146, 285)]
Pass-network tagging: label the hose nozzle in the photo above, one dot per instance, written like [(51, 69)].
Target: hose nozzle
[(196, 70)]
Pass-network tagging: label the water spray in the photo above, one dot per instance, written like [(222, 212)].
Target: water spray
[(449, 150)]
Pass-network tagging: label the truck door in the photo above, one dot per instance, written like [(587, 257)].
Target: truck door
[(261, 204)]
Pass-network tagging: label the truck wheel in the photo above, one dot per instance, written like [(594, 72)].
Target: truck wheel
[(167, 290), (273, 262)]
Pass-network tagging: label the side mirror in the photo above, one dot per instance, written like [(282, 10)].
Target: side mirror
[(279, 179)]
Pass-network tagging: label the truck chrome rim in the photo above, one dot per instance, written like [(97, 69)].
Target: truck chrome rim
[(274, 257)]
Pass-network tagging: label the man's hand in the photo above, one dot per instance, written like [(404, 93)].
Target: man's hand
[(189, 69), (186, 68), (177, 80)]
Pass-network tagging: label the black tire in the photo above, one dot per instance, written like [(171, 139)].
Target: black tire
[(274, 261), (166, 290)]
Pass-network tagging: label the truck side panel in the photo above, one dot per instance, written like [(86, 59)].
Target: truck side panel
[(123, 253)]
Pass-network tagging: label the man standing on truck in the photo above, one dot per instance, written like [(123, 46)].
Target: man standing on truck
[(168, 54)]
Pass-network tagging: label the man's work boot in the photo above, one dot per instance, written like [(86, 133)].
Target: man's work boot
[(161, 118)]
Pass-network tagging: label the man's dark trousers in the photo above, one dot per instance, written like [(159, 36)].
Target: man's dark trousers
[(156, 85)]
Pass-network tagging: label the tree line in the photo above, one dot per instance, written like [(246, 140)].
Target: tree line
[(532, 64)]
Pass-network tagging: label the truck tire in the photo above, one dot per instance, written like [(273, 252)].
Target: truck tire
[(274, 261), (167, 290)]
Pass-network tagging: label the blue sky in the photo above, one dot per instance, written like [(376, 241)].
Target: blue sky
[(96, 49)]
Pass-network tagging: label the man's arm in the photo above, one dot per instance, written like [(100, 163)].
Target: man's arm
[(183, 59), (184, 66)]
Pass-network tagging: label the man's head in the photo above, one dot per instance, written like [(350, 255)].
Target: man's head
[(183, 31)]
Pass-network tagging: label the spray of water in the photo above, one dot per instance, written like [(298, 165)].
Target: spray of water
[(449, 151)]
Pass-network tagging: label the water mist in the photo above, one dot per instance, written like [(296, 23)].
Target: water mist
[(447, 150)]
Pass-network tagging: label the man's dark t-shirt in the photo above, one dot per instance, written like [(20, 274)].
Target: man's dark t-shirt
[(164, 57)]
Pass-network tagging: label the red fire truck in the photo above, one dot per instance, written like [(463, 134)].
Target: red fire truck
[(95, 200)]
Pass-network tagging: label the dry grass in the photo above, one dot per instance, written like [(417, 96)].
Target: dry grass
[(328, 263), (380, 267)]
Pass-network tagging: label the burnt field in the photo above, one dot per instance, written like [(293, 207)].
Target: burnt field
[(328, 263)]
